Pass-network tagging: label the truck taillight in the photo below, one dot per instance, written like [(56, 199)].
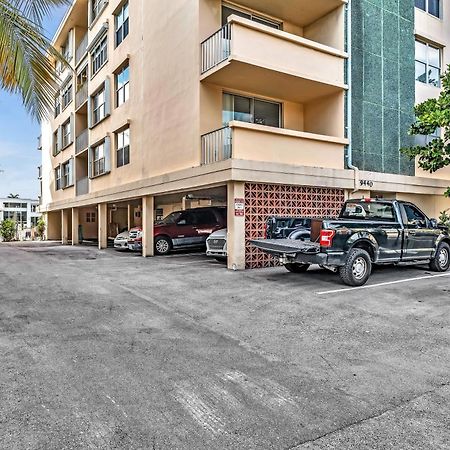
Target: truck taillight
[(326, 238)]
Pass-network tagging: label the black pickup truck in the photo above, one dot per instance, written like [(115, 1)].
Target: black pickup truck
[(368, 231)]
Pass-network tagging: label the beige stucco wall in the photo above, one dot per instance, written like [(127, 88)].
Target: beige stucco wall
[(258, 143), (431, 205), (273, 49), (328, 30), (325, 115)]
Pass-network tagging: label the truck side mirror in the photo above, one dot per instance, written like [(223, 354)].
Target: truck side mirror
[(433, 223)]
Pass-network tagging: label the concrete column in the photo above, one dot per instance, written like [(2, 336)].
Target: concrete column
[(53, 225), (235, 228), (65, 226), (148, 218), (102, 225), (75, 224), (130, 217)]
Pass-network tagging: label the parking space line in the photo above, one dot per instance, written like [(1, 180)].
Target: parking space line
[(387, 283)]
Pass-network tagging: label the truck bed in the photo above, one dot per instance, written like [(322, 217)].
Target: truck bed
[(286, 246)]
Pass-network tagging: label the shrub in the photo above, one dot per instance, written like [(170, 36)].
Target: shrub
[(40, 228), (8, 230), (444, 218)]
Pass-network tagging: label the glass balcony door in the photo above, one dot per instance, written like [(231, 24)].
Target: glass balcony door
[(251, 110)]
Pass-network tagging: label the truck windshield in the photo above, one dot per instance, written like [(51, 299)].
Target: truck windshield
[(368, 211)]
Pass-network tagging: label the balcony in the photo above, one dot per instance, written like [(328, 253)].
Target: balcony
[(247, 56), (81, 50), (81, 96), (39, 172), (299, 12), (39, 145), (82, 141), (249, 141), (82, 186)]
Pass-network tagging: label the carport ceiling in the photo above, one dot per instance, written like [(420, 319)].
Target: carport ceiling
[(218, 194)]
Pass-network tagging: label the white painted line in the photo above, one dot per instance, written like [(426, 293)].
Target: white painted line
[(406, 280)]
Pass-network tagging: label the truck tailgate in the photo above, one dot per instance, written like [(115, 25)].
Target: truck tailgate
[(286, 246)]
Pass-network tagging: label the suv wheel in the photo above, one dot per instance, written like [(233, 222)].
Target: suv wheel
[(163, 245), (296, 267), (357, 268), (441, 261)]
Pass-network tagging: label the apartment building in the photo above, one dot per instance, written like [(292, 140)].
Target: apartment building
[(23, 211), (286, 107)]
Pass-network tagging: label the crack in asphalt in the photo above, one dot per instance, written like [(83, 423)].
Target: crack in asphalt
[(365, 419)]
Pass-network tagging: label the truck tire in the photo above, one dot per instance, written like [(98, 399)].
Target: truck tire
[(297, 267), (163, 245), (357, 268), (441, 261)]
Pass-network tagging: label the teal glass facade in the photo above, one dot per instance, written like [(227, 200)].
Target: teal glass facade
[(383, 84)]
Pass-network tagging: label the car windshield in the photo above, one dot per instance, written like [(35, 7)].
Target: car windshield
[(171, 218), (368, 211)]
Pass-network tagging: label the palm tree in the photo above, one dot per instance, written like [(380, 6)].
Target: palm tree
[(26, 66)]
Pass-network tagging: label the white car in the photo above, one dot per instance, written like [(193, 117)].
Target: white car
[(121, 240), (216, 245)]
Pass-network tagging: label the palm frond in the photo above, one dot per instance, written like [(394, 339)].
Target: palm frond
[(26, 55)]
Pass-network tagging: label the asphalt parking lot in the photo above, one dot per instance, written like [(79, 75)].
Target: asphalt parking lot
[(104, 350)]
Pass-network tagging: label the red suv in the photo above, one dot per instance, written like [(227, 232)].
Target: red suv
[(183, 229)]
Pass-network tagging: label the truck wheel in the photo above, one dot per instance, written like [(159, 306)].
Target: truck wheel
[(441, 261), (296, 267), (357, 268), (163, 245)]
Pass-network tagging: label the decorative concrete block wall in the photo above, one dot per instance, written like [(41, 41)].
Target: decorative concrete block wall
[(265, 200)]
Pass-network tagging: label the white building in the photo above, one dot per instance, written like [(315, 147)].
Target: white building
[(22, 210)]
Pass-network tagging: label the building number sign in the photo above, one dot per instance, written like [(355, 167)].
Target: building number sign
[(366, 183)]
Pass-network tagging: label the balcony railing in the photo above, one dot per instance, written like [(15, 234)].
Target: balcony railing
[(81, 95), (82, 186), (39, 139), (81, 49), (39, 172), (82, 141), (216, 48), (216, 146)]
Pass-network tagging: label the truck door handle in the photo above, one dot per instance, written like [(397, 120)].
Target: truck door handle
[(412, 233)]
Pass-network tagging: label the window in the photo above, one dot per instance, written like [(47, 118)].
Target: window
[(122, 85), (252, 110), (122, 24), (66, 134), (57, 104), (98, 106), (227, 11), (56, 149), (58, 179), (98, 163), (66, 173), (67, 96), (82, 78), (205, 217), (90, 217), (97, 6), (428, 64), (99, 55), (432, 7), (66, 50), (123, 147), (424, 140), (414, 216), (368, 211)]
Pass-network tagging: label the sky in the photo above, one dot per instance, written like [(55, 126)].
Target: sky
[(19, 156)]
